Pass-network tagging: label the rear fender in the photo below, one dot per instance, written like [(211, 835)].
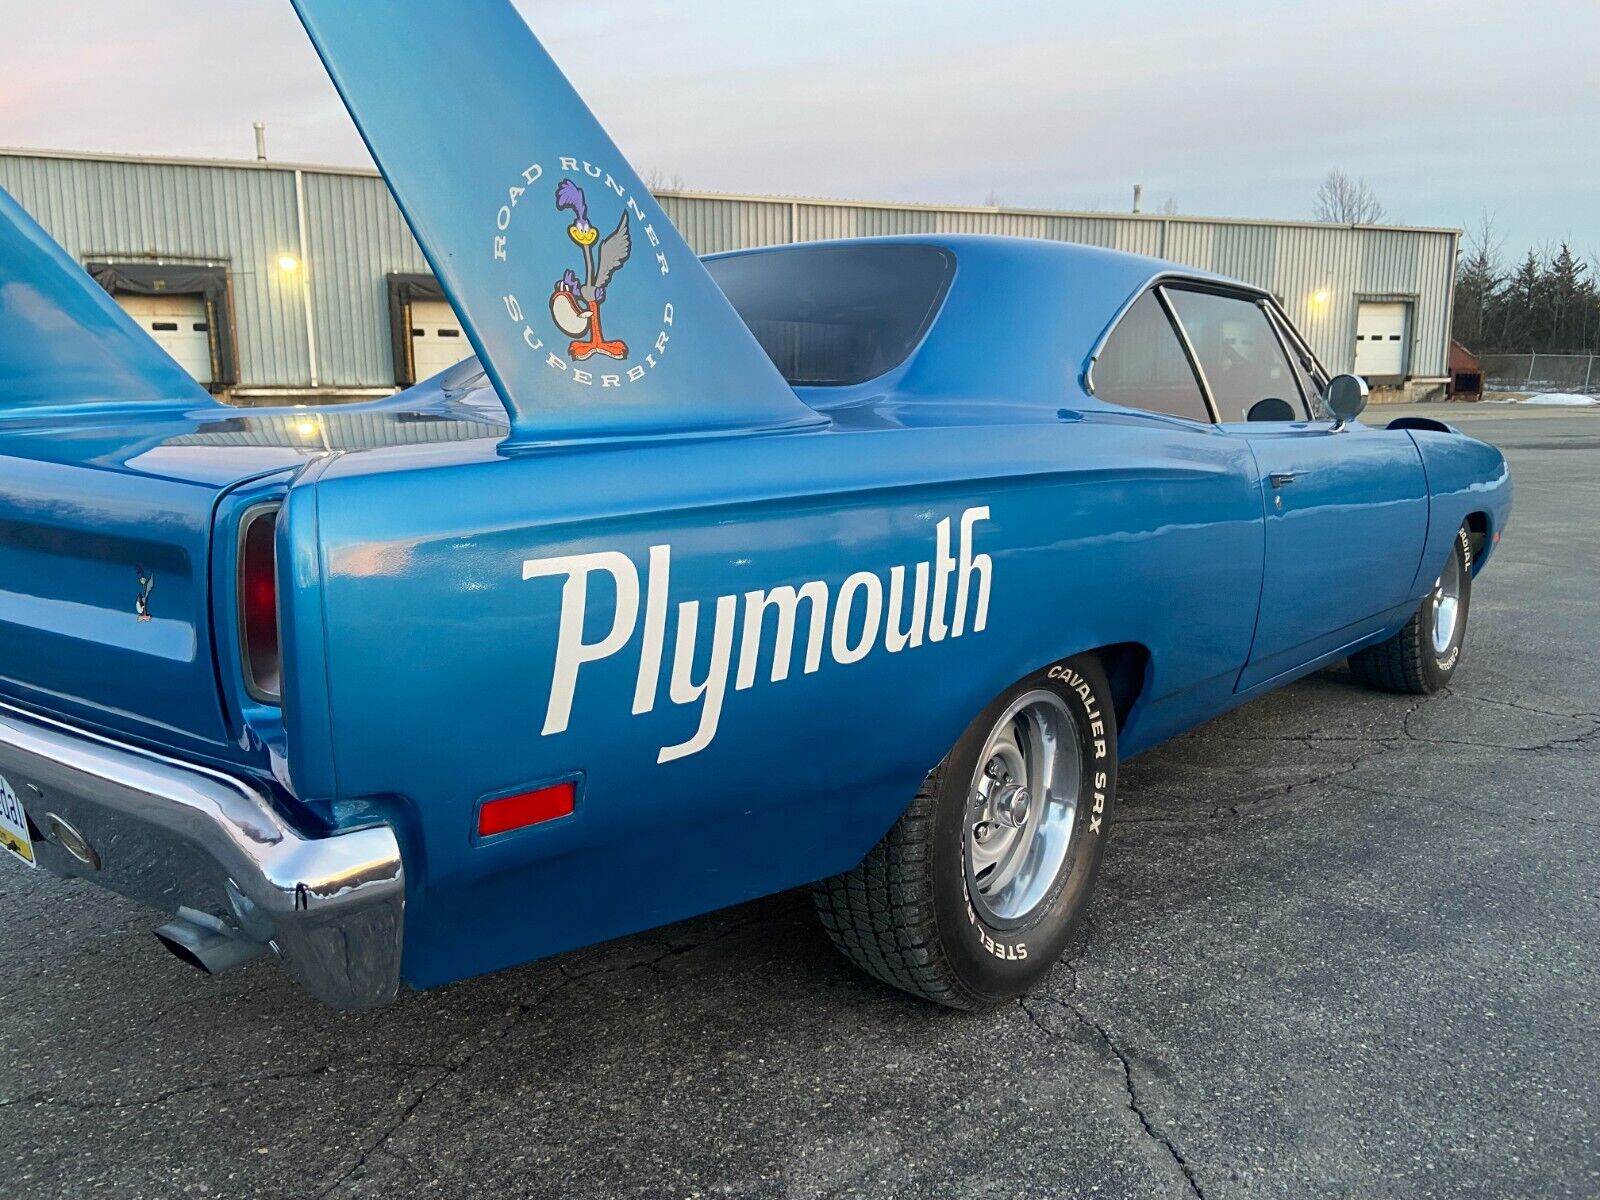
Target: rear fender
[(446, 593)]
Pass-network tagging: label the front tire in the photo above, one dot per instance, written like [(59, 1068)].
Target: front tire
[(975, 892), (1422, 657)]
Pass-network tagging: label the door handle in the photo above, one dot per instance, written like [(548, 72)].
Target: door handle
[(1282, 478)]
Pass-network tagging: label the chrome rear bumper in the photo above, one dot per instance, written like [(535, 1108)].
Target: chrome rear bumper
[(176, 835)]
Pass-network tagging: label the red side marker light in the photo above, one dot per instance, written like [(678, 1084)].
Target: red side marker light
[(506, 813)]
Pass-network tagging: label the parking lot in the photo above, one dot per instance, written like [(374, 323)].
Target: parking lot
[(1344, 945)]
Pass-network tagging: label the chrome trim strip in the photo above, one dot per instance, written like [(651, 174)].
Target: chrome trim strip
[(1195, 279), (1189, 352), (175, 834)]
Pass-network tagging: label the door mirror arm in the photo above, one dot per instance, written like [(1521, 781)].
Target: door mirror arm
[(1344, 399)]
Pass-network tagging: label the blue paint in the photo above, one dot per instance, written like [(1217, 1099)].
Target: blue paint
[(420, 660)]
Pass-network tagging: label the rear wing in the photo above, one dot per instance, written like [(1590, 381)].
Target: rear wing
[(590, 314), (64, 340)]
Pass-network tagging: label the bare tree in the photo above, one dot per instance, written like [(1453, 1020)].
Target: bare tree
[(656, 180), (1479, 278), (1169, 207), (1347, 201), (994, 200)]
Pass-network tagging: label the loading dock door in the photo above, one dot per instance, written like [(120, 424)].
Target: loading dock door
[(436, 338), (1381, 338), (179, 326)]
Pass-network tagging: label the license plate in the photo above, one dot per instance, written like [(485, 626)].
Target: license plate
[(14, 825)]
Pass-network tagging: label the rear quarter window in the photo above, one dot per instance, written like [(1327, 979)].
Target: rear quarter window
[(1143, 365), (831, 316)]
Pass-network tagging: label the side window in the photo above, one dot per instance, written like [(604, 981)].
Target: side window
[(1239, 353), (1142, 365)]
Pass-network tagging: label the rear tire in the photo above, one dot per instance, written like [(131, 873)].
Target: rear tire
[(975, 892), (1422, 657)]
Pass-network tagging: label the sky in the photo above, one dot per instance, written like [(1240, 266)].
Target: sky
[(1449, 109)]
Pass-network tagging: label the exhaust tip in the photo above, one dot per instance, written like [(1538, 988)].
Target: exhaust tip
[(205, 943), (180, 950)]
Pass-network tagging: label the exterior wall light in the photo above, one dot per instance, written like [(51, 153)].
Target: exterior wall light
[(288, 262), (1320, 296)]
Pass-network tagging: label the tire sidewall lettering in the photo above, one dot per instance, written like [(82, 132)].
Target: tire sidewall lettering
[(1079, 687), (1445, 663)]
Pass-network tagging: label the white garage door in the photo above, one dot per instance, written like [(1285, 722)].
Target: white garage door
[(1381, 338), (436, 338), (178, 324)]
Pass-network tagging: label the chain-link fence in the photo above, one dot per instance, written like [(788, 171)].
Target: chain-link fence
[(1542, 373)]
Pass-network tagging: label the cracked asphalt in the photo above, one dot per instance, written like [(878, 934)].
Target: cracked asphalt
[(1344, 945)]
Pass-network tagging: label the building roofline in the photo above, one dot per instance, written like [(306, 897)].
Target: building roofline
[(250, 164), (172, 160)]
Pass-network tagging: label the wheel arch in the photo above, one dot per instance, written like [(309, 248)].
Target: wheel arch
[(1480, 529), (1127, 668)]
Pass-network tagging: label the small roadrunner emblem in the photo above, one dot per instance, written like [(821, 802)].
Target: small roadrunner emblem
[(141, 602), (575, 303)]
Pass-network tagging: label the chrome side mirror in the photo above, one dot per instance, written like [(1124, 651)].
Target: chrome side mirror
[(1344, 399)]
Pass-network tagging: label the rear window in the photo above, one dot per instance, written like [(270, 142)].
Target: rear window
[(836, 315)]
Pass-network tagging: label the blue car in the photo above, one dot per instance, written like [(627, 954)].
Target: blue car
[(857, 565)]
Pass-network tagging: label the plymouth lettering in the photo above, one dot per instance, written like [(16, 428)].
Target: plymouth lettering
[(763, 625)]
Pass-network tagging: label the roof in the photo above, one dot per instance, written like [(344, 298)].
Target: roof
[(1022, 315)]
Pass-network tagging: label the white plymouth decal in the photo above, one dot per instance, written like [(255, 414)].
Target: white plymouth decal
[(846, 623)]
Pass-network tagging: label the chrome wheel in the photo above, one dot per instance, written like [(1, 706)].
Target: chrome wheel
[(1021, 807), (1447, 604)]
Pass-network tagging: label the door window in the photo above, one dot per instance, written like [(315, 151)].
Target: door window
[(1143, 365), (1239, 353)]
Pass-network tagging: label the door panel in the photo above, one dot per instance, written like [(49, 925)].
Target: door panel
[(1346, 517)]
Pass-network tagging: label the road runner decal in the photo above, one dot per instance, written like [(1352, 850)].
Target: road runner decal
[(522, 240), (946, 597)]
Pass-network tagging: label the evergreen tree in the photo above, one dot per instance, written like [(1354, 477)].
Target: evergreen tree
[(1520, 314), (1571, 296), (1548, 304)]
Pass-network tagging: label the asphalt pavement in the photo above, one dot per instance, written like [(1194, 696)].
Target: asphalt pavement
[(1345, 944)]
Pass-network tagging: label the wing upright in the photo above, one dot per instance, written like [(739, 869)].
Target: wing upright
[(64, 340), (499, 168)]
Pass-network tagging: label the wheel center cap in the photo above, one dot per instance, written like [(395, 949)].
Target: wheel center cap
[(1012, 805)]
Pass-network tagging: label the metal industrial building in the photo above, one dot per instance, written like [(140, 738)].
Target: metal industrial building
[(281, 283)]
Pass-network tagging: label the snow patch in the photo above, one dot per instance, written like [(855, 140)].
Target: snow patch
[(1555, 400), (1562, 400)]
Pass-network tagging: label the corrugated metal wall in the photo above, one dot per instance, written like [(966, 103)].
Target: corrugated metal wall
[(354, 237), (235, 216), (244, 216)]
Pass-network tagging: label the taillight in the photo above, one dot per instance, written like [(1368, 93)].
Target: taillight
[(258, 605)]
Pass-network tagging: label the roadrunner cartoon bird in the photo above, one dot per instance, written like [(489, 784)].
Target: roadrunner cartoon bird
[(575, 304)]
